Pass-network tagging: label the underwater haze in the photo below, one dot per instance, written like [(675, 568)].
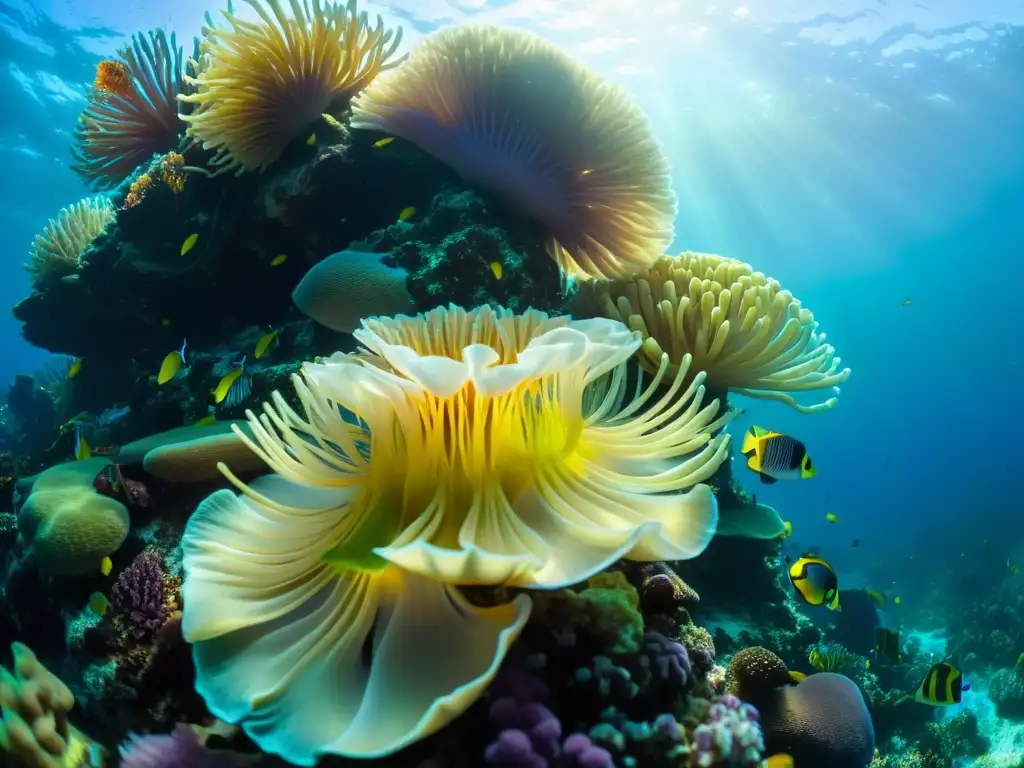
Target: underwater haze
[(867, 154)]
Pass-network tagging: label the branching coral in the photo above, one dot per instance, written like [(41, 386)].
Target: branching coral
[(261, 83), (741, 327), (132, 112), (55, 252), (140, 598), (324, 588), (516, 115)]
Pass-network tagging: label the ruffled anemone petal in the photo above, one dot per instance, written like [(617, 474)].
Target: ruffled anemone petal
[(466, 565), (305, 658), (246, 564)]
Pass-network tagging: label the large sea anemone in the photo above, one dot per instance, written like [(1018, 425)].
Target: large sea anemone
[(132, 112), (260, 84), (457, 448), (521, 118), (739, 326)]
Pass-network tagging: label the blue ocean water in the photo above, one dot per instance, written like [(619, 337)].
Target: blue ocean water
[(867, 154)]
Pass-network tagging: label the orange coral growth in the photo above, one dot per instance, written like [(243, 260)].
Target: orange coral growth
[(172, 171), (138, 190), (113, 77)]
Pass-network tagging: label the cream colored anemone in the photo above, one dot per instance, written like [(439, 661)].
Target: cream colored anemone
[(739, 326), (351, 656), (477, 459)]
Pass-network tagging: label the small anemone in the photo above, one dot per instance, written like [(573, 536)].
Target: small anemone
[(740, 327), (55, 253)]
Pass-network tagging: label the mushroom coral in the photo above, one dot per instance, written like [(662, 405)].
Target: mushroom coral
[(514, 114), (487, 448), (55, 252), (741, 328), (260, 84), (132, 111)]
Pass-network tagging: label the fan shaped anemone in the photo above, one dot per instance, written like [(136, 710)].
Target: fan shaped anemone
[(132, 112), (526, 121), (259, 84), (740, 327), (55, 253)]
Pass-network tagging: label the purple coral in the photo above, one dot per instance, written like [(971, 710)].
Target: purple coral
[(529, 734), (729, 736), (139, 596), (579, 752), (178, 749), (669, 658)]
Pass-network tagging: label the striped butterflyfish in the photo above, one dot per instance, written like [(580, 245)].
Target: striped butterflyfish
[(943, 686), (774, 456), (815, 581)]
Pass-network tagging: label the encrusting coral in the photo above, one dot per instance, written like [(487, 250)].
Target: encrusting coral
[(34, 729), (477, 455), (132, 112), (55, 253), (262, 83), (740, 327), (524, 120)]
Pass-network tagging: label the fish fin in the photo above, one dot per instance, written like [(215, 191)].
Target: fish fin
[(750, 442), (767, 479)]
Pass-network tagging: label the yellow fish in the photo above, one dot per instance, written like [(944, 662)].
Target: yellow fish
[(278, 260), (82, 449), (106, 566), (76, 367), (189, 243), (311, 141), (907, 303), (774, 456), (815, 581), (406, 213), (496, 269), (171, 365), (795, 676), (332, 121), (943, 686), (225, 384), (897, 600), (781, 760), (787, 531), (98, 603), (207, 421), (831, 517), (264, 344), (1013, 567), (165, 322), (877, 596), (383, 142)]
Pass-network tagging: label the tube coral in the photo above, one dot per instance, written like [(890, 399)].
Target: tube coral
[(132, 112), (741, 328), (514, 114), (259, 84), (55, 252), (482, 452)]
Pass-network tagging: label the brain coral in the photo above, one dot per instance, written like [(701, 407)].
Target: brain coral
[(821, 721), (741, 328), (754, 671), (69, 526), (526, 121)]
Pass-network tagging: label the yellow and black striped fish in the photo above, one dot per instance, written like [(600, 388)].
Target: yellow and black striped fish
[(887, 643), (774, 456), (815, 581), (943, 686)]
